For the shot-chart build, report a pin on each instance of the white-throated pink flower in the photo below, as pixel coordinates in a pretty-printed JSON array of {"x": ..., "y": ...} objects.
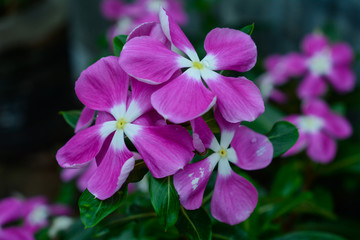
[
  {"x": 234, "y": 198},
  {"x": 186, "y": 96},
  {"x": 104, "y": 87}
]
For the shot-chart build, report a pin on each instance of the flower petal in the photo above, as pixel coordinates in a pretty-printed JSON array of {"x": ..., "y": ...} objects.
[
  {"x": 16, "y": 233},
  {"x": 103, "y": 85},
  {"x": 230, "y": 49},
  {"x": 295, "y": 64},
  {"x": 184, "y": 98},
  {"x": 148, "y": 60},
  {"x": 84, "y": 178},
  {"x": 85, "y": 120},
  {"x": 313, "y": 43},
  {"x": 342, "y": 78},
  {"x": 113, "y": 170},
  {"x": 111, "y": 9},
  {"x": 238, "y": 99},
  {"x": 190, "y": 183},
  {"x": 140, "y": 99},
  {"x": 335, "y": 125},
  {"x": 152, "y": 29},
  {"x": 151, "y": 118},
  {"x": 175, "y": 35},
  {"x": 10, "y": 209},
  {"x": 203, "y": 138},
  {"x": 160, "y": 147},
  {"x": 342, "y": 54},
  {"x": 223, "y": 124},
  {"x": 311, "y": 86},
  {"x": 234, "y": 199},
  {"x": 278, "y": 96},
  {"x": 322, "y": 148},
  {"x": 84, "y": 146},
  {"x": 315, "y": 107},
  {"x": 253, "y": 150}
]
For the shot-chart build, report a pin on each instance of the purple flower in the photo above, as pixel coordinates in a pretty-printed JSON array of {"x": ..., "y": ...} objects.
[
  {"x": 324, "y": 62},
  {"x": 234, "y": 197},
  {"x": 33, "y": 214},
  {"x": 318, "y": 128},
  {"x": 186, "y": 97},
  {"x": 104, "y": 87},
  {"x": 128, "y": 16}
]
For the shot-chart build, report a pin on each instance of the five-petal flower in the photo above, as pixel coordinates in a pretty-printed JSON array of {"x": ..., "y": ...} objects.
[
  {"x": 104, "y": 87},
  {"x": 234, "y": 197},
  {"x": 186, "y": 97},
  {"x": 317, "y": 129}
]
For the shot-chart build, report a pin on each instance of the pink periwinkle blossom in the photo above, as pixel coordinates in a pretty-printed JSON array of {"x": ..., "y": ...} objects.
[
  {"x": 186, "y": 97},
  {"x": 318, "y": 129},
  {"x": 104, "y": 87},
  {"x": 234, "y": 198},
  {"x": 279, "y": 69},
  {"x": 130, "y": 15},
  {"x": 33, "y": 215},
  {"x": 324, "y": 62}
]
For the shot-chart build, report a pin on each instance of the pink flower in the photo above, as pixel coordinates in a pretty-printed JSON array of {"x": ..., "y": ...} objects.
[
  {"x": 186, "y": 97},
  {"x": 33, "y": 214},
  {"x": 324, "y": 62},
  {"x": 128, "y": 16},
  {"x": 318, "y": 128},
  {"x": 104, "y": 87},
  {"x": 234, "y": 197}
]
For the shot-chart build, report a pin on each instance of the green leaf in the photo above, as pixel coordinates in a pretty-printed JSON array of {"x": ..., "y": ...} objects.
[
  {"x": 118, "y": 43},
  {"x": 248, "y": 29},
  {"x": 265, "y": 121},
  {"x": 93, "y": 210},
  {"x": 165, "y": 200},
  {"x": 71, "y": 117},
  {"x": 283, "y": 136},
  {"x": 309, "y": 235},
  {"x": 195, "y": 224},
  {"x": 288, "y": 180},
  {"x": 321, "y": 204},
  {"x": 284, "y": 206}
]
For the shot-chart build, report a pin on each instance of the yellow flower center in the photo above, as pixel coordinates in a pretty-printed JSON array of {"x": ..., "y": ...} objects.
[
  {"x": 120, "y": 124},
  {"x": 198, "y": 65},
  {"x": 223, "y": 153}
]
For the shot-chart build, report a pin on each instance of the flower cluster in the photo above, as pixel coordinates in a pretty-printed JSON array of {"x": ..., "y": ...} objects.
[
  {"x": 319, "y": 63},
  {"x": 33, "y": 214},
  {"x": 129, "y": 15},
  {"x": 142, "y": 99}
]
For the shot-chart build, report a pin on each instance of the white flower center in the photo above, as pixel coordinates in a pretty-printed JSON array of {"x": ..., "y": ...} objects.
[
  {"x": 223, "y": 153},
  {"x": 310, "y": 124},
  {"x": 38, "y": 215},
  {"x": 198, "y": 65},
  {"x": 320, "y": 63},
  {"x": 120, "y": 124},
  {"x": 154, "y": 5},
  {"x": 123, "y": 25},
  {"x": 59, "y": 224},
  {"x": 266, "y": 85}
]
